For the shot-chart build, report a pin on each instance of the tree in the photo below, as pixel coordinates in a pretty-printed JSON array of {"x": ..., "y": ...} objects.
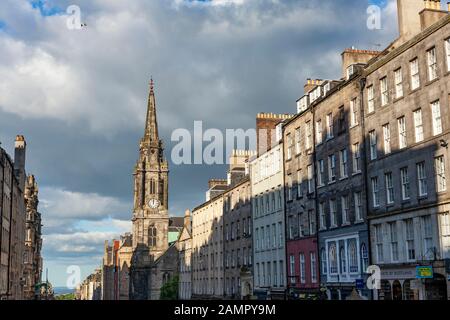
[
  {"x": 169, "y": 291},
  {"x": 68, "y": 296}
]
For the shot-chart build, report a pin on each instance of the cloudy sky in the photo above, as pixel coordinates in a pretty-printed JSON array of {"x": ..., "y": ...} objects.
[{"x": 79, "y": 96}]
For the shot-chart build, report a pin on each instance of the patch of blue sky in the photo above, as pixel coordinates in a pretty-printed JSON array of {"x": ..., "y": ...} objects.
[
  {"x": 46, "y": 8},
  {"x": 380, "y": 3}
]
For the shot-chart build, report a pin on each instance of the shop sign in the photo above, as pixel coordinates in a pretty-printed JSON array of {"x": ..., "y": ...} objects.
[
  {"x": 398, "y": 274},
  {"x": 424, "y": 272}
]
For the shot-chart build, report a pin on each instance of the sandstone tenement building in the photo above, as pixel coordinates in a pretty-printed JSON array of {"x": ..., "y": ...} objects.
[{"x": 20, "y": 227}]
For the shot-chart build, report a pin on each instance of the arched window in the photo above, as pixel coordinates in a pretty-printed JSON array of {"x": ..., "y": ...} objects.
[
  {"x": 352, "y": 257},
  {"x": 152, "y": 236},
  {"x": 343, "y": 260},
  {"x": 323, "y": 258},
  {"x": 166, "y": 278},
  {"x": 364, "y": 257},
  {"x": 332, "y": 258}
]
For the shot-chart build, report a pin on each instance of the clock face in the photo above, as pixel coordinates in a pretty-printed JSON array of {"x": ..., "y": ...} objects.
[{"x": 153, "y": 203}]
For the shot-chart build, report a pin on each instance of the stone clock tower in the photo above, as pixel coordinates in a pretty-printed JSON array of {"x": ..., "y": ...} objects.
[{"x": 150, "y": 213}]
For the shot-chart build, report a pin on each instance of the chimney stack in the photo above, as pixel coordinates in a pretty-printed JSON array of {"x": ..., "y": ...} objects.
[
  {"x": 187, "y": 219},
  {"x": 19, "y": 159},
  {"x": 431, "y": 14},
  {"x": 409, "y": 19}
]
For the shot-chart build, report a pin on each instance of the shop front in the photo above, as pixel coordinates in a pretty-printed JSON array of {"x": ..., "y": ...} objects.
[{"x": 412, "y": 282}]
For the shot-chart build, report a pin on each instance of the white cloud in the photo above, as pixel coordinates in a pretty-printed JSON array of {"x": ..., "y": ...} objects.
[{"x": 58, "y": 204}]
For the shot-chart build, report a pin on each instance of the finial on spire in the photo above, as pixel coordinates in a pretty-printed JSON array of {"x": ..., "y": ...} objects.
[{"x": 152, "y": 84}]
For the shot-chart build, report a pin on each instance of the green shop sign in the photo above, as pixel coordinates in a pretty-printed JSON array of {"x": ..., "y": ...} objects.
[{"x": 424, "y": 272}]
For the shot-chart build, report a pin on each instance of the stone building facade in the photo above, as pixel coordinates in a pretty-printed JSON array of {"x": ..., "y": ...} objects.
[
  {"x": 238, "y": 252},
  {"x": 301, "y": 231},
  {"x": 33, "y": 240},
  {"x": 207, "y": 245},
  {"x": 12, "y": 213},
  {"x": 326, "y": 186},
  {"x": 184, "y": 246},
  {"x": 115, "y": 272},
  {"x": 269, "y": 255},
  {"x": 91, "y": 287},
  {"x": 407, "y": 127},
  {"x": 378, "y": 164},
  {"x": 221, "y": 268}
]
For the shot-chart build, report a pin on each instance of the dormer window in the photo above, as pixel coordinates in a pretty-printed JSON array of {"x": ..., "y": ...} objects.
[
  {"x": 350, "y": 71},
  {"x": 302, "y": 104},
  {"x": 326, "y": 88},
  {"x": 315, "y": 94}
]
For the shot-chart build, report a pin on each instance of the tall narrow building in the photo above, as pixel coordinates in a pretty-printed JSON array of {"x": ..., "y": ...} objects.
[{"x": 150, "y": 214}]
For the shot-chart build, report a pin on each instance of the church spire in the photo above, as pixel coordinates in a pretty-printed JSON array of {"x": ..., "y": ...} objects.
[{"x": 151, "y": 125}]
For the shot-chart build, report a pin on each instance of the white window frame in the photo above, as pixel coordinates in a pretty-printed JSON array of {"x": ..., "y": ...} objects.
[
  {"x": 398, "y": 75},
  {"x": 404, "y": 178},
  {"x": 432, "y": 64},
  {"x": 447, "y": 53},
  {"x": 289, "y": 187},
  {"x": 373, "y": 144},
  {"x": 427, "y": 229},
  {"x": 343, "y": 155},
  {"x": 389, "y": 180},
  {"x": 370, "y": 99},
  {"x": 330, "y": 126},
  {"x": 289, "y": 146},
  {"x": 309, "y": 135},
  {"x": 402, "y": 136},
  {"x": 292, "y": 276},
  {"x": 319, "y": 132},
  {"x": 410, "y": 240},
  {"x": 422, "y": 183},
  {"x": 298, "y": 141},
  {"x": 332, "y": 168},
  {"x": 358, "y": 206},
  {"x": 299, "y": 183},
  {"x": 415, "y": 74},
  {"x": 310, "y": 172},
  {"x": 445, "y": 224},
  {"x": 333, "y": 213},
  {"x": 345, "y": 209},
  {"x": 441, "y": 179},
  {"x": 321, "y": 173},
  {"x": 384, "y": 90},
  {"x": 353, "y": 113},
  {"x": 436, "y": 117},
  {"x": 393, "y": 233},
  {"x": 375, "y": 192},
  {"x": 418, "y": 125},
  {"x": 378, "y": 235},
  {"x": 356, "y": 158},
  {"x": 387, "y": 139},
  {"x": 322, "y": 216},
  {"x": 313, "y": 261},
  {"x": 302, "y": 262}
]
